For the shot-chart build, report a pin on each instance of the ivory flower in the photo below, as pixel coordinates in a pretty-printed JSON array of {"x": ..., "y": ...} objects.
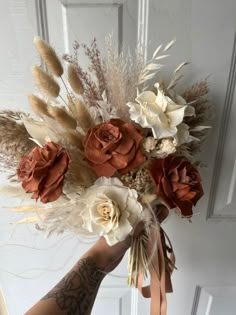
[
  {"x": 183, "y": 135},
  {"x": 159, "y": 149},
  {"x": 158, "y": 112},
  {"x": 165, "y": 147},
  {"x": 110, "y": 209}
]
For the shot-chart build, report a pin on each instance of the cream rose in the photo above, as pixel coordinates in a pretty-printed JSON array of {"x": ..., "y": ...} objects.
[
  {"x": 158, "y": 112},
  {"x": 110, "y": 209}
]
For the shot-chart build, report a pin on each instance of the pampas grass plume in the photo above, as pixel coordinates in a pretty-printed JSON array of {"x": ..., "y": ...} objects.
[
  {"x": 62, "y": 117},
  {"x": 46, "y": 82},
  {"x": 49, "y": 56},
  {"x": 74, "y": 80},
  {"x": 38, "y": 105}
]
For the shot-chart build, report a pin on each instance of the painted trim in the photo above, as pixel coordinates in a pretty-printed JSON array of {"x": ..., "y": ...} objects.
[
  {"x": 196, "y": 300},
  {"x": 42, "y": 20},
  {"x": 143, "y": 21},
  {"x": 222, "y": 138},
  {"x": 134, "y": 301}
]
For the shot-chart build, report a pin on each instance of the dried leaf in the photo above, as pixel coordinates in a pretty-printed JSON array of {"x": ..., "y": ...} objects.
[
  {"x": 181, "y": 66},
  {"x": 169, "y": 45},
  {"x": 156, "y": 51}
]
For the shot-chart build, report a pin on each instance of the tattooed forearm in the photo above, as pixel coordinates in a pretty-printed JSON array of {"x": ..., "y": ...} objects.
[{"x": 75, "y": 293}]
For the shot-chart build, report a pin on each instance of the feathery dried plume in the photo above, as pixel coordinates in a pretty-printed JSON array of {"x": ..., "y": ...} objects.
[
  {"x": 122, "y": 74},
  {"x": 197, "y": 94},
  {"x": 138, "y": 258},
  {"x": 14, "y": 140},
  {"x": 46, "y": 82},
  {"x": 196, "y": 91},
  {"x": 74, "y": 138},
  {"x": 49, "y": 56},
  {"x": 93, "y": 89},
  {"x": 81, "y": 114},
  {"x": 79, "y": 171},
  {"x": 38, "y": 105},
  {"x": 62, "y": 117},
  {"x": 74, "y": 80}
]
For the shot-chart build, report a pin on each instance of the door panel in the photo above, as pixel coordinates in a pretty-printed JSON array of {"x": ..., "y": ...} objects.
[{"x": 205, "y": 249}]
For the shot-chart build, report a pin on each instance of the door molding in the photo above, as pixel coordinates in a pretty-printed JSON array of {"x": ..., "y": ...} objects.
[{"x": 230, "y": 91}]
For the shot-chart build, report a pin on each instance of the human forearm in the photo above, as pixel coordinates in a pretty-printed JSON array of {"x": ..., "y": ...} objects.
[{"x": 75, "y": 293}]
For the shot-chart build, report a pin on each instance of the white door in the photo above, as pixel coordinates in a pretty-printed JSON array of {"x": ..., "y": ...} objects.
[{"x": 205, "y": 282}]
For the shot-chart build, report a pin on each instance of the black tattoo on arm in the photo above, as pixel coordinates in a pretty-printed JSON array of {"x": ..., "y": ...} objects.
[{"x": 76, "y": 292}]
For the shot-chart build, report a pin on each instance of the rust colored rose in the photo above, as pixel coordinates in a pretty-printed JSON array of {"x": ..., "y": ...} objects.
[
  {"x": 113, "y": 146},
  {"x": 178, "y": 183},
  {"x": 42, "y": 171}
]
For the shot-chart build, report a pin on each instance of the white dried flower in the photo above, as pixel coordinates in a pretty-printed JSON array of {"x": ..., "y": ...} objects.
[
  {"x": 165, "y": 147},
  {"x": 110, "y": 209},
  {"x": 149, "y": 144},
  {"x": 158, "y": 112},
  {"x": 183, "y": 136}
]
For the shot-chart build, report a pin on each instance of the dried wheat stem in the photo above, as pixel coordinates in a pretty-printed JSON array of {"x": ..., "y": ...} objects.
[
  {"x": 46, "y": 82},
  {"x": 62, "y": 117},
  {"x": 38, "y": 105},
  {"x": 74, "y": 80},
  {"x": 49, "y": 56}
]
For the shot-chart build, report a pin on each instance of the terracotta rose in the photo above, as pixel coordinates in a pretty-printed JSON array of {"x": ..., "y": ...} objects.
[
  {"x": 113, "y": 146},
  {"x": 42, "y": 171},
  {"x": 178, "y": 183}
]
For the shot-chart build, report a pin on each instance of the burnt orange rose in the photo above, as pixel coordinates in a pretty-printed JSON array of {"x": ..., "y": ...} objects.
[
  {"x": 178, "y": 183},
  {"x": 113, "y": 146},
  {"x": 42, "y": 171}
]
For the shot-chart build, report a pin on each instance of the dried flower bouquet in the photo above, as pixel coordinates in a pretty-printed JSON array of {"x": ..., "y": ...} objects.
[{"x": 115, "y": 148}]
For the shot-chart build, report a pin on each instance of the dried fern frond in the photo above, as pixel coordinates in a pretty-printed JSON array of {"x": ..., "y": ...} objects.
[
  {"x": 46, "y": 82},
  {"x": 62, "y": 117},
  {"x": 74, "y": 80},
  {"x": 49, "y": 56},
  {"x": 14, "y": 140},
  {"x": 38, "y": 105}
]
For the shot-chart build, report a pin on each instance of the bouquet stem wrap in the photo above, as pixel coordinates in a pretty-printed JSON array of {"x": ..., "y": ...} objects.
[{"x": 159, "y": 261}]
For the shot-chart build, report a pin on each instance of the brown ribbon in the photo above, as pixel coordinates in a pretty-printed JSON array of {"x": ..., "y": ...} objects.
[{"x": 161, "y": 266}]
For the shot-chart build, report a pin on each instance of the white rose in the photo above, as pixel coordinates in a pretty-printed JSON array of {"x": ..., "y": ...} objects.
[
  {"x": 110, "y": 209},
  {"x": 158, "y": 112}
]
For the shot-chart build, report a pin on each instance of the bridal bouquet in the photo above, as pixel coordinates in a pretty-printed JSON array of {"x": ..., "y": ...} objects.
[{"x": 107, "y": 147}]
